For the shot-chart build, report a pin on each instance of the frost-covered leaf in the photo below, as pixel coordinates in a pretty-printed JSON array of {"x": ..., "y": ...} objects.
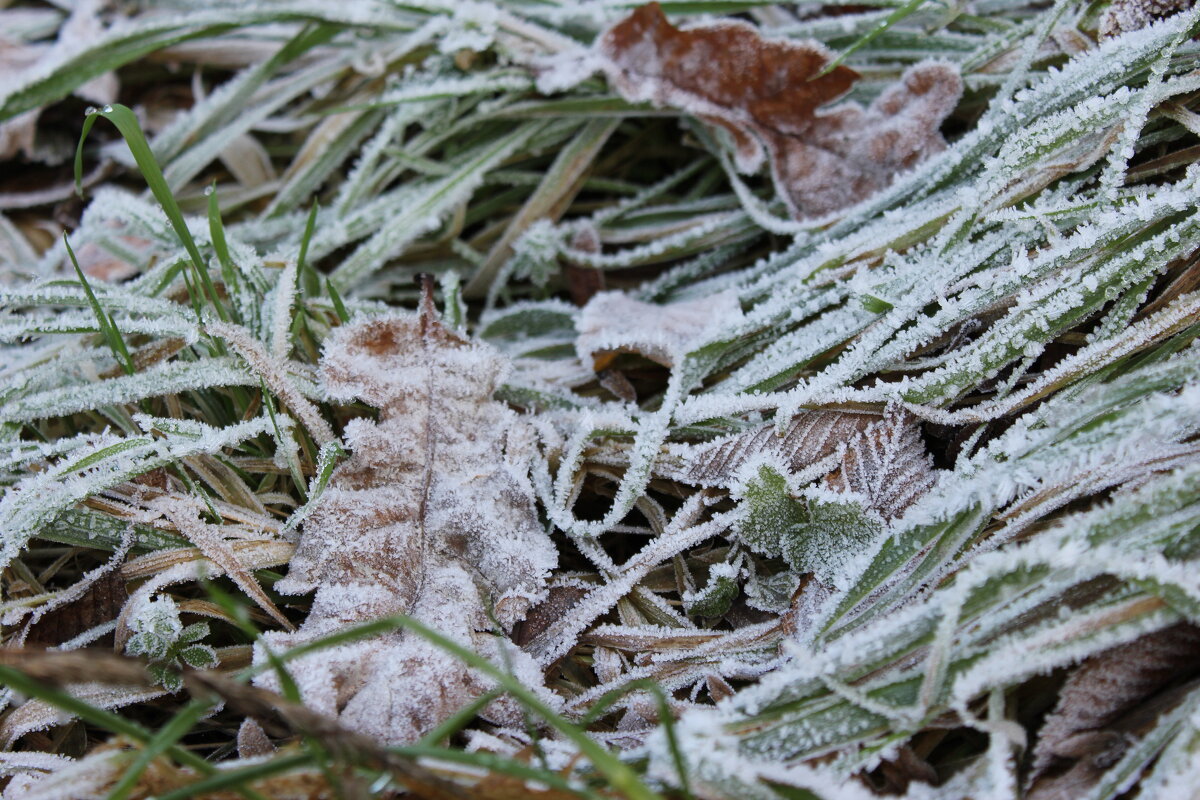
[
  {"x": 1101, "y": 691},
  {"x": 428, "y": 517},
  {"x": 613, "y": 322},
  {"x": 816, "y": 532},
  {"x": 1122, "y": 16},
  {"x": 767, "y": 93},
  {"x": 887, "y": 464},
  {"x": 809, "y": 439},
  {"x": 714, "y": 599}
]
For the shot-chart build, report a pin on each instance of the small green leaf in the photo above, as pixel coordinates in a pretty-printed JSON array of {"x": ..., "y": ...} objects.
[
  {"x": 717, "y": 595},
  {"x": 770, "y": 512},
  {"x": 875, "y": 305},
  {"x": 193, "y": 633},
  {"x": 817, "y": 531},
  {"x": 199, "y": 656},
  {"x": 830, "y": 533}
]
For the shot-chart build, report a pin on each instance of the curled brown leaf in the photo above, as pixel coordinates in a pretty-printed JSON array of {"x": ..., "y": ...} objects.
[{"x": 769, "y": 95}]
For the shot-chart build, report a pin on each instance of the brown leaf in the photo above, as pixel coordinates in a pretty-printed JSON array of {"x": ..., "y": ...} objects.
[
  {"x": 583, "y": 281},
  {"x": 896, "y": 773},
  {"x": 100, "y": 604},
  {"x": 1090, "y": 724},
  {"x": 887, "y": 464},
  {"x": 615, "y": 381},
  {"x": 429, "y": 517},
  {"x": 767, "y": 94},
  {"x": 558, "y": 602},
  {"x": 252, "y": 740},
  {"x": 718, "y": 688},
  {"x": 808, "y": 439}
]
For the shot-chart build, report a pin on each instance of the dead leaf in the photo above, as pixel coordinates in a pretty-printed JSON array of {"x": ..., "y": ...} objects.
[
  {"x": 559, "y": 600},
  {"x": 808, "y": 439},
  {"x": 887, "y": 464},
  {"x": 98, "y": 262},
  {"x": 1123, "y": 16},
  {"x": 252, "y": 740},
  {"x": 614, "y": 322},
  {"x": 768, "y": 95},
  {"x": 428, "y": 517},
  {"x": 101, "y": 603},
  {"x": 1089, "y": 729},
  {"x": 583, "y": 281}
]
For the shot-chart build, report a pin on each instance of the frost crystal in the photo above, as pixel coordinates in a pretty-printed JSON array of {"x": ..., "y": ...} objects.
[{"x": 432, "y": 516}]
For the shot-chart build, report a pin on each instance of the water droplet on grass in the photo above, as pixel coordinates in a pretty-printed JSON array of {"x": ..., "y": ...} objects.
[
  {"x": 209, "y": 191},
  {"x": 87, "y": 112},
  {"x": 108, "y": 109}
]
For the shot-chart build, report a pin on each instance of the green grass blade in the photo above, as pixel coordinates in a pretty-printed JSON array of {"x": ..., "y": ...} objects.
[
  {"x": 112, "y": 336},
  {"x": 887, "y": 22},
  {"x": 125, "y": 121},
  {"x": 165, "y": 739},
  {"x": 101, "y": 718},
  {"x": 240, "y": 777}
]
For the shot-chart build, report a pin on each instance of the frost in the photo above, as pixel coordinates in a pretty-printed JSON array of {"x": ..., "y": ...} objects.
[
  {"x": 165, "y": 379},
  {"x": 268, "y": 368},
  {"x": 430, "y": 517}
]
